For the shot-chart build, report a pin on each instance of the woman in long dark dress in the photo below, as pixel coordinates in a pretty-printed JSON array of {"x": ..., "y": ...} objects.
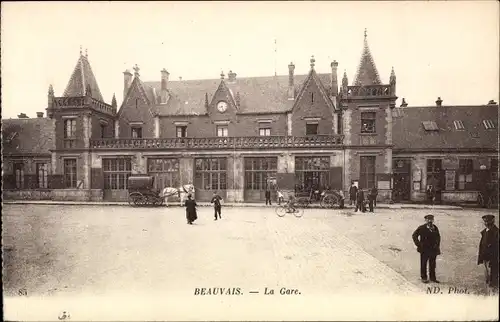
[{"x": 190, "y": 210}]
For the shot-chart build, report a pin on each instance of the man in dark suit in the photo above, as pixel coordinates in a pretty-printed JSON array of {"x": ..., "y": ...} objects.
[
  {"x": 427, "y": 239},
  {"x": 353, "y": 191},
  {"x": 360, "y": 201},
  {"x": 216, "y": 200},
  {"x": 488, "y": 251}
]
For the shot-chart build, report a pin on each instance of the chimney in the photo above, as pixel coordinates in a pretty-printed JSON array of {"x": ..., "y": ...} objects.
[
  {"x": 164, "y": 86},
  {"x": 23, "y": 116},
  {"x": 127, "y": 80},
  {"x": 439, "y": 101},
  {"x": 39, "y": 114},
  {"x": 334, "y": 84},
  {"x": 180, "y": 78},
  {"x": 291, "y": 87},
  {"x": 231, "y": 77},
  {"x": 403, "y": 103}
]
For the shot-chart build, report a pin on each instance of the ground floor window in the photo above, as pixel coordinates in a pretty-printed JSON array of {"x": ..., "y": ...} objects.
[
  {"x": 367, "y": 172},
  {"x": 19, "y": 173},
  {"x": 258, "y": 171},
  {"x": 312, "y": 173},
  {"x": 42, "y": 170},
  {"x": 70, "y": 173},
  {"x": 494, "y": 169},
  {"x": 165, "y": 171},
  {"x": 464, "y": 178},
  {"x": 434, "y": 173},
  {"x": 210, "y": 173},
  {"x": 116, "y": 173}
]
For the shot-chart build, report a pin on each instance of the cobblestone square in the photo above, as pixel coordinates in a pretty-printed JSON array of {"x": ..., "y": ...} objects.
[{"x": 98, "y": 251}]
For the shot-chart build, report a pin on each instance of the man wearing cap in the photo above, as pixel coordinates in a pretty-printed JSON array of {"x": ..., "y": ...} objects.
[
  {"x": 427, "y": 239},
  {"x": 488, "y": 251}
]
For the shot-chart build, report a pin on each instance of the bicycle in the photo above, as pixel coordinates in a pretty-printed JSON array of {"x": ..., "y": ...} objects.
[{"x": 282, "y": 210}]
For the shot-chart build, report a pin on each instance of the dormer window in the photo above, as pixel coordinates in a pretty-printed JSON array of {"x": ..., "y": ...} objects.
[
  {"x": 489, "y": 124},
  {"x": 459, "y": 125},
  {"x": 430, "y": 126}
]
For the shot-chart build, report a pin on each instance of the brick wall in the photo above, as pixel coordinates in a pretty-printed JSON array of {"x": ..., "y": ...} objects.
[
  {"x": 313, "y": 108},
  {"x": 59, "y": 130},
  {"x": 135, "y": 109},
  {"x": 239, "y": 125}
]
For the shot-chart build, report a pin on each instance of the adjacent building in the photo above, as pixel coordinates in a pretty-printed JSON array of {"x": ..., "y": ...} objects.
[{"x": 232, "y": 134}]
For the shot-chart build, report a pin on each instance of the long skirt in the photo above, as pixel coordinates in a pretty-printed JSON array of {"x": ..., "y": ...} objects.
[{"x": 191, "y": 215}]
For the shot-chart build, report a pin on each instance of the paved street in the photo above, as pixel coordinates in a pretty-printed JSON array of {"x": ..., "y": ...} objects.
[{"x": 101, "y": 251}]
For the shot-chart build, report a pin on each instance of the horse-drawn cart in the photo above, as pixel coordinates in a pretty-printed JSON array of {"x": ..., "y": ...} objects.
[{"x": 141, "y": 191}]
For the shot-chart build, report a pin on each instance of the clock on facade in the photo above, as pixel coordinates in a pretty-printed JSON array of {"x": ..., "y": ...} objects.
[{"x": 221, "y": 106}]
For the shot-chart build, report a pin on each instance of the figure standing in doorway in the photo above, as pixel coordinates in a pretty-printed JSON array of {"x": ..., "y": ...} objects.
[{"x": 353, "y": 191}]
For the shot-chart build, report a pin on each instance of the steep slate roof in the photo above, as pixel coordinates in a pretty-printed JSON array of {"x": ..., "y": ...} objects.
[
  {"x": 82, "y": 79},
  {"x": 257, "y": 94},
  {"x": 28, "y": 136},
  {"x": 409, "y": 132},
  {"x": 367, "y": 73}
]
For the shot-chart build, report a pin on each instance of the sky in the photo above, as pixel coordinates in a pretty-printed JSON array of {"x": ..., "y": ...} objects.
[{"x": 447, "y": 49}]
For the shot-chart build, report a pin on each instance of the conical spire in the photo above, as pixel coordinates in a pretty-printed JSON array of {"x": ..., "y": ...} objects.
[
  {"x": 82, "y": 81},
  {"x": 113, "y": 101},
  {"x": 367, "y": 73}
]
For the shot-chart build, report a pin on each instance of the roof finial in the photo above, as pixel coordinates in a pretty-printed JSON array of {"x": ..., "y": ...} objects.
[
  {"x": 312, "y": 61},
  {"x": 81, "y": 52},
  {"x": 51, "y": 90},
  {"x": 113, "y": 101},
  {"x": 86, "y": 53},
  {"x": 136, "y": 70},
  {"x": 365, "y": 33},
  {"x": 222, "y": 74}
]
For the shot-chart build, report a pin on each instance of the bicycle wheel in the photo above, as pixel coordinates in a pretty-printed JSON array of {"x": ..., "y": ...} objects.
[
  {"x": 299, "y": 212},
  {"x": 280, "y": 211},
  {"x": 302, "y": 202}
]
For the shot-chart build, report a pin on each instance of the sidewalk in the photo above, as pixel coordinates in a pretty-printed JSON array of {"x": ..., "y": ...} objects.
[{"x": 227, "y": 204}]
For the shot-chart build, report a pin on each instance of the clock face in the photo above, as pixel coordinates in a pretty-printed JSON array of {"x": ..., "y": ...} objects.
[{"x": 222, "y": 106}]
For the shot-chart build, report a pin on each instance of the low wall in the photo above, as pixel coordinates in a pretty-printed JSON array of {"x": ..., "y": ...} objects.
[
  {"x": 54, "y": 194},
  {"x": 459, "y": 196}
]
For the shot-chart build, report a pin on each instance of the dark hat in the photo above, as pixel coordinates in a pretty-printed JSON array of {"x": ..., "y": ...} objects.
[
  {"x": 429, "y": 217},
  {"x": 190, "y": 196},
  {"x": 488, "y": 218}
]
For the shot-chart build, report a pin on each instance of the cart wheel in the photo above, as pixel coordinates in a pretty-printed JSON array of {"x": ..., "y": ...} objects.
[
  {"x": 299, "y": 212},
  {"x": 158, "y": 201},
  {"x": 329, "y": 201},
  {"x": 281, "y": 211},
  {"x": 140, "y": 200},
  {"x": 133, "y": 198}
]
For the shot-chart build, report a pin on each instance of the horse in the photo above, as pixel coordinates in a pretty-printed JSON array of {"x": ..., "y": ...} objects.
[{"x": 181, "y": 192}]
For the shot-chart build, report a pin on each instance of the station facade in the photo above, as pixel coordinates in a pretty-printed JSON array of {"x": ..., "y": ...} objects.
[{"x": 232, "y": 135}]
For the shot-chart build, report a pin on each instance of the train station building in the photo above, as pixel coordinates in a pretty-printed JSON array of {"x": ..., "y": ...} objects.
[{"x": 232, "y": 134}]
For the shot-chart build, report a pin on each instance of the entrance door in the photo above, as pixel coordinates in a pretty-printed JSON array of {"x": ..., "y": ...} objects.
[{"x": 402, "y": 180}]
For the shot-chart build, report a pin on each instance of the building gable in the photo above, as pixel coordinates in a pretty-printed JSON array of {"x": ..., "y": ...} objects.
[
  {"x": 223, "y": 94},
  {"x": 312, "y": 96}
]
